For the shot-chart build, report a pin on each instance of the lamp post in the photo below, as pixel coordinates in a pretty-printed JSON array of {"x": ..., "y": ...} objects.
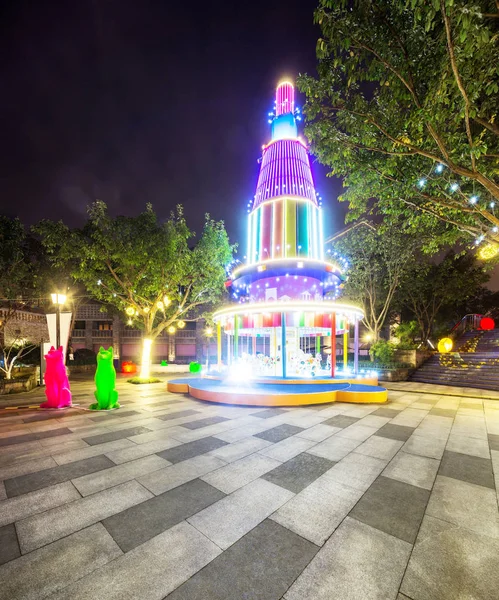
[{"x": 58, "y": 300}]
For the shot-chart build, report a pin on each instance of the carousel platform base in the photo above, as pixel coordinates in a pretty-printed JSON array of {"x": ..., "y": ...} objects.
[{"x": 275, "y": 392}]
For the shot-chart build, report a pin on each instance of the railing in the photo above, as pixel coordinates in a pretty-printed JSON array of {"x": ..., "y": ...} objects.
[
  {"x": 78, "y": 333},
  {"x": 467, "y": 323},
  {"x": 107, "y": 333}
]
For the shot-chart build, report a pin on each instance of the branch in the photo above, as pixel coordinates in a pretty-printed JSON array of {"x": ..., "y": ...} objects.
[{"x": 459, "y": 82}]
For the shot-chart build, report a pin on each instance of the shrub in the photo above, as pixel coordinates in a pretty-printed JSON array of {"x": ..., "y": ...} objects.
[
  {"x": 382, "y": 352},
  {"x": 84, "y": 356},
  {"x": 138, "y": 380}
]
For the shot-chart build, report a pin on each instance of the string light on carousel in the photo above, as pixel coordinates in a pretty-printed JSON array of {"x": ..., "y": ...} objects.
[{"x": 285, "y": 294}]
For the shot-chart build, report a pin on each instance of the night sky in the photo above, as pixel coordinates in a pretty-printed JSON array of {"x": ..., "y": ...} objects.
[{"x": 146, "y": 101}]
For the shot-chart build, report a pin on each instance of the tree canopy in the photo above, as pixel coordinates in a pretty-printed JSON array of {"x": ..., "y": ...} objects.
[
  {"x": 429, "y": 288},
  {"x": 379, "y": 259},
  {"x": 405, "y": 109},
  {"x": 153, "y": 272}
]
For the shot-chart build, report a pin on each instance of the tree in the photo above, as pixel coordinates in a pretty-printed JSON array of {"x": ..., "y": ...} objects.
[
  {"x": 20, "y": 283},
  {"x": 431, "y": 288},
  {"x": 378, "y": 259},
  {"x": 143, "y": 267},
  {"x": 405, "y": 109}
]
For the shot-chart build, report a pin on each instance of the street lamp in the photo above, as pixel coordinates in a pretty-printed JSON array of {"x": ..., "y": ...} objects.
[{"x": 58, "y": 300}]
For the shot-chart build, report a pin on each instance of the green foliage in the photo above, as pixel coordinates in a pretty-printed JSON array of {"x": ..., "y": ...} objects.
[
  {"x": 405, "y": 86},
  {"x": 378, "y": 258},
  {"x": 134, "y": 262},
  {"x": 140, "y": 380},
  {"x": 429, "y": 288},
  {"x": 407, "y": 333},
  {"x": 194, "y": 367},
  {"x": 382, "y": 352}
]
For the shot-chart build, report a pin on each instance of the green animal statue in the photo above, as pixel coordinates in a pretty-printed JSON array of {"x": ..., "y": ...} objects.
[{"x": 105, "y": 382}]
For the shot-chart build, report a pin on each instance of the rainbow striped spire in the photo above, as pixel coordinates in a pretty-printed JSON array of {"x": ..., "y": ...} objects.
[{"x": 285, "y": 220}]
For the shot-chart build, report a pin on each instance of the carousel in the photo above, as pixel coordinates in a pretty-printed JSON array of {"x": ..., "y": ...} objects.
[{"x": 278, "y": 341}]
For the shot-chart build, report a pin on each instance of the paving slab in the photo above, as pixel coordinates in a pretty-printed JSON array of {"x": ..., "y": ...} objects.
[
  {"x": 425, "y": 445},
  {"x": 357, "y": 470},
  {"x": 269, "y": 413},
  {"x": 200, "y": 423},
  {"x": 41, "y": 529},
  {"x": 151, "y": 571},
  {"x": 140, "y": 450},
  {"x": 143, "y": 521},
  {"x": 468, "y": 445},
  {"x": 317, "y": 510},
  {"x": 236, "y": 474},
  {"x": 380, "y": 447},
  {"x": 266, "y": 560},
  {"x": 341, "y": 421},
  {"x": 358, "y": 562},
  {"x": 470, "y": 506},
  {"x": 115, "y": 435},
  {"x": 472, "y": 469},
  {"x": 96, "y": 482},
  {"x": 240, "y": 449},
  {"x": 14, "y": 509},
  {"x": 229, "y": 519},
  {"x": 47, "y": 477},
  {"x": 191, "y": 449},
  {"x": 298, "y": 472},
  {"x": 63, "y": 458},
  {"x": 279, "y": 433},
  {"x": 394, "y": 507},
  {"x": 29, "y": 466},
  {"x": 9, "y": 546},
  {"x": 335, "y": 448},
  {"x": 182, "y": 472},
  {"x": 318, "y": 433},
  {"x": 395, "y": 432},
  {"x": 49, "y": 569},
  {"x": 450, "y": 562},
  {"x": 410, "y": 468},
  {"x": 285, "y": 450}
]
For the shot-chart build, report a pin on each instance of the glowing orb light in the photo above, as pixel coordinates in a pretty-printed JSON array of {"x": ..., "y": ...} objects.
[
  {"x": 180, "y": 324},
  {"x": 171, "y": 329},
  {"x": 130, "y": 311},
  {"x": 445, "y": 345},
  {"x": 488, "y": 251},
  {"x": 487, "y": 323}
]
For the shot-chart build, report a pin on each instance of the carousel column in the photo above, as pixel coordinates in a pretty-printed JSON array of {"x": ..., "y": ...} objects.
[
  {"x": 283, "y": 344},
  {"x": 318, "y": 344},
  {"x": 345, "y": 348},
  {"x": 229, "y": 358},
  {"x": 356, "y": 347},
  {"x": 333, "y": 344},
  {"x": 219, "y": 344},
  {"x": 236, "y": 337}
]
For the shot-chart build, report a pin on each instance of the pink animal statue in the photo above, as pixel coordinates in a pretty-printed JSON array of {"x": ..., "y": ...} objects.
[{"x": 56, "y": 380}]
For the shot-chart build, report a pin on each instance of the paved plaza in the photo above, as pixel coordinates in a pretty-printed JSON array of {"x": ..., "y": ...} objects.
[{"x": 170, "y": 497}]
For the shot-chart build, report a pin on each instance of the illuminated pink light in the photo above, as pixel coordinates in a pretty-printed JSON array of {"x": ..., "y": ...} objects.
[
  {"x": 285, "y": 164},
  {"x": 285, "y": 98}
]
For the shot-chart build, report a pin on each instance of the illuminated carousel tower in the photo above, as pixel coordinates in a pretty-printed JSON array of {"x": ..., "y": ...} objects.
[{"x": 285, "y": 295}]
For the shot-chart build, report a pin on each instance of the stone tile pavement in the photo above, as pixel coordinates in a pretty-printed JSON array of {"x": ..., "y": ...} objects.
[{"x": 171, "y": 498}]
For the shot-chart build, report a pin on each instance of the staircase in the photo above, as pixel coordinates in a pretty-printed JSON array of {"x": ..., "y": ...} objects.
[{"x": 475, "y": 363}]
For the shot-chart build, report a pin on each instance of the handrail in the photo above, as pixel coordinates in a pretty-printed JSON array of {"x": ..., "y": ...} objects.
[{"x": 467, "y": 323}]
